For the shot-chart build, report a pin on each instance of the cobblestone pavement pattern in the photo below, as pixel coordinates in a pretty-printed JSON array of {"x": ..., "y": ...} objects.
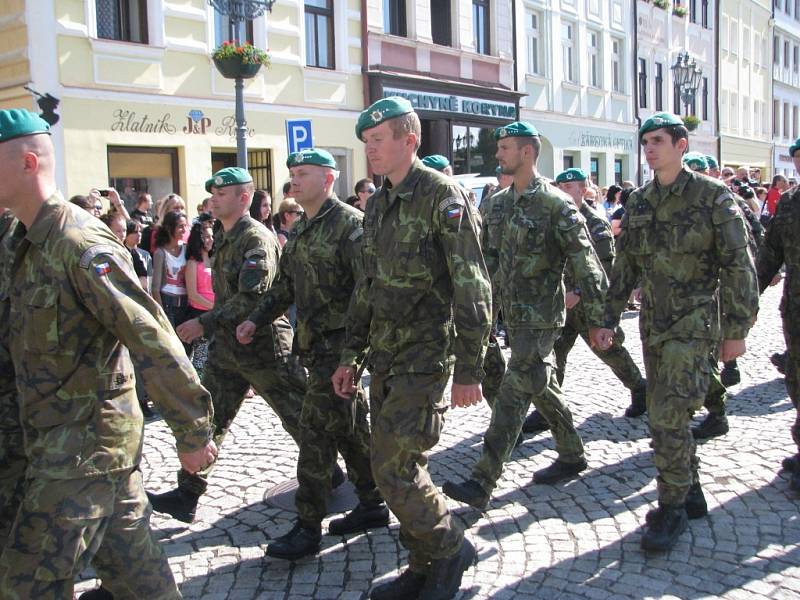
[{"x": 573, "y": 540}]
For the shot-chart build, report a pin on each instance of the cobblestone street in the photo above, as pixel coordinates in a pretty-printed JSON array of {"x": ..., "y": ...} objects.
[{"x": 573, "y": 540}]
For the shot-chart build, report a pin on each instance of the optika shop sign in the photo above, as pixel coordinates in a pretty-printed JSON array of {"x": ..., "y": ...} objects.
[{"x": 195, "y": 123}]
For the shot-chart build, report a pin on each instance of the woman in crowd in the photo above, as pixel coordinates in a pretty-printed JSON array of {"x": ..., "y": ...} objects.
[
  {"x": 288, "y": 212},
  {"x": 261, "y": 209},
  {"x": 169, "y": 267},
  {"x": 142, "y": 260},
  {"x": 364, "y": 189},
  {"x": 198, "y": 281},
  {"x": 612, "y": 203},
  {"x": 91, "y": 205},
  {"x": 167, "y": 204}
]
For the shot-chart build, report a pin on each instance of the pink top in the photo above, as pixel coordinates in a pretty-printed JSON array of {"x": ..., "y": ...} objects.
[{"x": 204, "y": 288}]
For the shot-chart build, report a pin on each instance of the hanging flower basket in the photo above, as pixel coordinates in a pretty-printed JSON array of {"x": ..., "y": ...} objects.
[
  {"x": 691, "y": 122},
  {"x": 235, "y": 61}
]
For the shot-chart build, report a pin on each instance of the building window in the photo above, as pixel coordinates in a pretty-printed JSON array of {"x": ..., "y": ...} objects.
[
  {"x": 535, "y": 43},
  {"x": 659, "y": 95},
  {"x": 704, "y": 13},
  {"x": 569, "y": 161},
  {"x": 642, "y": 83},
  {"x": 693, "y": 11},
  {"x": 734, "y": 37},
  {"x": 394, "y": 17},
  {"x": 786, "y": 55},
  {"x": 723, "y": 33},
  {"x": 617, "y": 75},
  {"x": 594, "y": 169},
  {"x": 594, "y": 58},
  {"x": 746, "y": 43},
  {"x": 222, "y": 30},
  {"x": 797, "y": 10},
  {"x": 776, "y": 118},
  {"x": 440, "y": 17},
  {"x": 795, "y": 58},
  {"x": 776, "y": 51},
  {"x": 746, "y": 113},
  {"x": 122, "y": 20},
  {"x": 618, "y": 171},
  {"x": 756, "y": 49},
  {"x": 705, "y": 99},
  {"x": 786, "y": 116},
  {"x": 151, "y": 170},
  {"x": 568, "y": 53},
  {"x": 757, "y": 117},
  {"x": 794, "y": 122},
  {"x": 473, "y": 149},
  {"x": 319, "y": 34},
  {"x": 480, "y": 25},
  {"x": 723, "y": 110},
  {"x": 734, "y": 111}
]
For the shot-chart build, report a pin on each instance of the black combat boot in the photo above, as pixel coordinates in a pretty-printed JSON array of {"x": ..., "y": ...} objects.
[
  {"x": 446, "y": 574},
  {"x": 177, "y": 503},
  {"x": 664, "y": 528},
  {"x": 638, "y": 401},
  {"x": 714, "y": 425},
  {"x": 695, "y": 505},
  {"x": 535, "y": 423},
  {"x": 364, "y": 516},
  {"x": 791, "y": 463},
  {"x": 559, "y": 471},
  {"x": 470, "y": 492},
  {"x": 301, "y": 541},
  {"x": 337, "y": 477},
  {"x": 730, "y": 374},
  {"x": 100, "y": 593},
  {"x": 779, "y": 360},
  {"x": 406, "y": 587}
]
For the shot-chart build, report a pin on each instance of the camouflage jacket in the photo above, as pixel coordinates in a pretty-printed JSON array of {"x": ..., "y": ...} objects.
[
  {"x": 425, "y": 296},
  {"x": 9, "y": 413},
  {"x": 244, "y": 265},
  {"x": 602, "y": 240},
  {"x": 686, "y": 245},
  {"x": 543, "y": 229},
  {"x": 492, "y": 214},
  {"x": 319, "y": 267},
  {"x": 782, "y": 246},
  {"x": 78, "y": 314}
]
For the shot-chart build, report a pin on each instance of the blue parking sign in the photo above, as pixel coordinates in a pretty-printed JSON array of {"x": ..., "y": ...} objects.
[{"x": 298, "y": 135}]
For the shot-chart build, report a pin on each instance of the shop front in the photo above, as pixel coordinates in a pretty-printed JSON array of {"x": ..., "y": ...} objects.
[
  {"x": 161, "y": 148},
  {"x": 784, "y": 165},
  {"x": 608, "y": 154},
  {"x": 458, "y": 119},
  {"x": 738, "y": 152}
]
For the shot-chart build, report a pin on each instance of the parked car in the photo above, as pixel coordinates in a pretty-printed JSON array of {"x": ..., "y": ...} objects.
[{"x": 476, "y": 183}]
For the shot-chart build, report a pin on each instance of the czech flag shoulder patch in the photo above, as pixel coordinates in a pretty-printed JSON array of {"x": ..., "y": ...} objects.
[{"x": 102, "y": 269}]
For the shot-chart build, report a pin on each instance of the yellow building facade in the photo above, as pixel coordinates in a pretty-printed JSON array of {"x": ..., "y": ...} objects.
[{"x": 143, "y": 108}]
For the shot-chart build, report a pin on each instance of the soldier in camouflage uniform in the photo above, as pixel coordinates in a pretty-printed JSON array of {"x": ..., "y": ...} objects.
[
  {"x": 77, "y": 316},
  {"x": 684, "y": 241},
  {"x": 573, "y": 183},
  {"x": 782, "y": 247},
  {"x": 244, "y": 264},
  {"x": 12, "y": 457},
  {"x": 543, "y": 229},
  {"x": 319, "y": 267},
  {"x": 424, "y": 308},
  {"x": 491, "y": 211}
]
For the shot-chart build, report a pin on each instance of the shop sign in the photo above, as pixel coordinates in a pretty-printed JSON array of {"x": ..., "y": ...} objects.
[
  {"x": 461, "y": 105},
  {"x": 590, "y": 139},
  {"x": 197, "y": 123},
  {"x": 785, "y": 158}
]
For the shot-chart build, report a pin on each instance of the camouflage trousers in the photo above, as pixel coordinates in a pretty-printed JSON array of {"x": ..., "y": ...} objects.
[
  {"x": 716, "y": 395},
  {"x": 678, "y": 378},
  {"x": 12, "y": 458},
  {"x": 616, "y": 357},
  {"x": 407, "y": 413},
  {"x": 326, "y": 426},
  {"x": 65, "y": 525},
  {"x": 530, "y": 378},
  {"x": 494, "y": 366},
  {"x": 791, "y": 329},
  {"x": 281, "y": 383}
]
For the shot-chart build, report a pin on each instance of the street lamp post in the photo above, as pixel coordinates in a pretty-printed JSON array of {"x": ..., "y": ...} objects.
[
  {"x": 686, "y": 75},
  {"x": 239, "y": 11}
]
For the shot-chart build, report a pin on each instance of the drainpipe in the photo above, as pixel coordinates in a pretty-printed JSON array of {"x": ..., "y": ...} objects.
[
  {"x": 365, "y": 66},
  {"x": 635, "y": 78},
  {"x": 514, "y": 48},
  {"x": 717, "y": 80}
]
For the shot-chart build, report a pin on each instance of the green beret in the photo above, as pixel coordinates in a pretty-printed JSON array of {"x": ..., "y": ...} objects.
[
  {"x": 516, "y": 129},
  {"x": 380, "y": 111},
  {"x": 228, "y": 176},
  {"x": 695, "y": 161},
  {"x": 311, "y": 156},
  {"x": 436, "y": 161},
  {"x": 712, "y": 162},
  {"x": 573, "y": 174},
  {"x": 658, "y": 121},
  {"x": 794, "y": 147},
  {"x": 18, "y": 122}
]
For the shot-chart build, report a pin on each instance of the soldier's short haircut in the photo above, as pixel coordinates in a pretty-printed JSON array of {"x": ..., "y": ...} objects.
[
  {"x": 405, "y": 124},
  {"x": 533, "y": 141},
  {"x": 249, "y": 187}
]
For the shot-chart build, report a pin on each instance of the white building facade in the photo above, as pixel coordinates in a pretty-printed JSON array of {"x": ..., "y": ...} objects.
[
  {"x": 785, "y": 84},
  {"x": 574, "y": 64},
  {"x": 664, "y": 31}
]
